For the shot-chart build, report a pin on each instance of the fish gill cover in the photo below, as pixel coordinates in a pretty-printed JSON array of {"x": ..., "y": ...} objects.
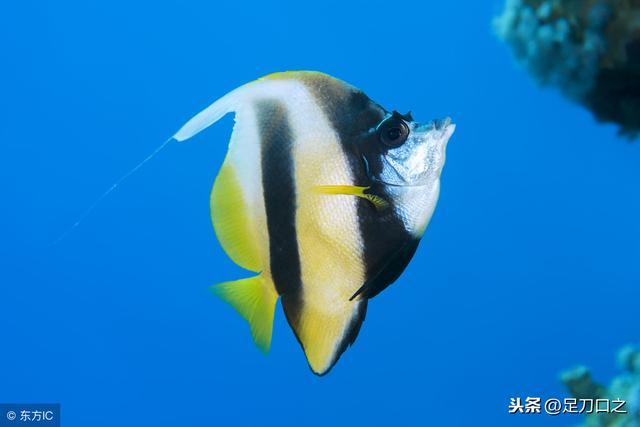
[
  {"x": 625, "y": 386},
  {"x": 589, "y": 49}
]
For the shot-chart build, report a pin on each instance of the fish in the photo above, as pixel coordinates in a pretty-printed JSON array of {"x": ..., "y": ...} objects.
[{"x": 324, "y": 195}]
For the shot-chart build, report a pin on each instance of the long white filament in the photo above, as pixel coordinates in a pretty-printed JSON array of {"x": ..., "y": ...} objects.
[
  {"x": 195, "y": 125},
  {"x": 90, "y": 209}
]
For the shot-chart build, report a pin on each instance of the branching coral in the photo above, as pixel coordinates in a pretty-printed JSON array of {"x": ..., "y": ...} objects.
[
  {"x": 625, "y": 387},
  {"x": 590, "y": 49}
]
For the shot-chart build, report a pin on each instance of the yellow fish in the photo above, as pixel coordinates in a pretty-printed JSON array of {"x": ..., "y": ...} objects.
[{"x": 325, "y": 195}]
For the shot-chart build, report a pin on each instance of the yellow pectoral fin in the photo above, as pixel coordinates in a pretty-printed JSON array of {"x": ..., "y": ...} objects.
[
  {"x": 255, "y": 299},
  {"x": 352, "y": 190}
]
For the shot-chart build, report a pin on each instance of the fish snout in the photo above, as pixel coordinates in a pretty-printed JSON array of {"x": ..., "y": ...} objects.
[
  {"x": 440, "y": 124},
  {"x": 444, "y": 128},
  {"x": 440, "y": 128}
]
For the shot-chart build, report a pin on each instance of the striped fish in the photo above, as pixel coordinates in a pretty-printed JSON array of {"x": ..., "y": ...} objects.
[{"x": 325, "y": 195}]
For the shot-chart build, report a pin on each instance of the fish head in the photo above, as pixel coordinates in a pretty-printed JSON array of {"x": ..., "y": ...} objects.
[{"x": 402, "y": 152}]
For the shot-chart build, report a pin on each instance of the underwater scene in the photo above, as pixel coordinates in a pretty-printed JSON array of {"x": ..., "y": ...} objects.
[{"x": 320, "y": 214}]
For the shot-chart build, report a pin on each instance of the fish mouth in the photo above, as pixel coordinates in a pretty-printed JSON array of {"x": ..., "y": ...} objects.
[
  {"x": 437, "y": 125},
  {"x": 441, "y": 129},
  {"x": 448, "y": 131},
  {"x": 442, "y": 124},
  {"x": 444, "y": 128}
]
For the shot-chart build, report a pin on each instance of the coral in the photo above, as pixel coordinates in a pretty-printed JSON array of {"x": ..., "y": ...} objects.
[
  {"x": 589, "y": 49},
  {"x": 626, "y": 386}
]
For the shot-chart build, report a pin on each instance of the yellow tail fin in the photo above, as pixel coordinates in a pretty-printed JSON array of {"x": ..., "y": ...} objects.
[{"x": 255, "y": 299}]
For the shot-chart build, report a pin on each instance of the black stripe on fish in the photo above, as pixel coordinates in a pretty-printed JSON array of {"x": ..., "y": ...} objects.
[
  {"x": 388, "y": 246},
  {"x": 390, "y": 272},
  {"x": 279, "y": 192}
]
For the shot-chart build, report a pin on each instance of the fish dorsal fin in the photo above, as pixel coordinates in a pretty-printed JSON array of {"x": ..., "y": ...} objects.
[{"x": 209, "y": 115}]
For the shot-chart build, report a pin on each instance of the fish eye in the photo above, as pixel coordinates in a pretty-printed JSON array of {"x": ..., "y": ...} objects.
[{"x": 393, "y": 132}]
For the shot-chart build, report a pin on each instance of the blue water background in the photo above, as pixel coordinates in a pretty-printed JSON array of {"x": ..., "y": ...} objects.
[{"x": 530, "y": 264}]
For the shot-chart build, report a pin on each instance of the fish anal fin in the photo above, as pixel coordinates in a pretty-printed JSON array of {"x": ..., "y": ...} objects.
[
  {"x": 352, "y": 190},
  {"x": 324, "y": 332},
  {"x": 255, "y": 299},
  {"x": 233, "y": 222}
]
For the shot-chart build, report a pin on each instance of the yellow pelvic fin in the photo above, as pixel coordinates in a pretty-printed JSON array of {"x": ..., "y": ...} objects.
[
  {"x": 232, "y": 223},
  {"x": 255, "y": 299},
  {"x": 352, "y": 190}
]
